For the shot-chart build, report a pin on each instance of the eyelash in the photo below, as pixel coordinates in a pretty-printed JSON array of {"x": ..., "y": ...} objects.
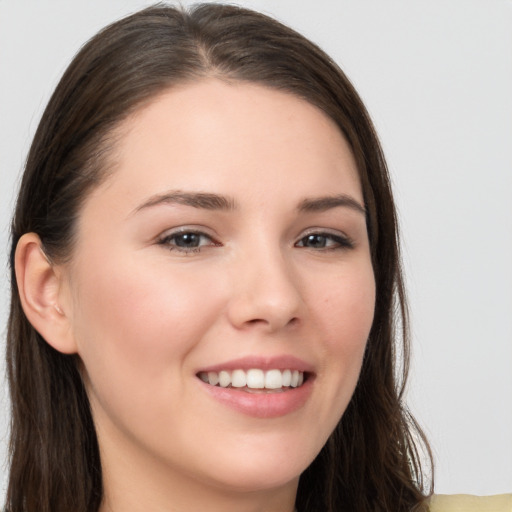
[
  {"x": 167, "y": 241},
  {"x": 338, "y": 242}
]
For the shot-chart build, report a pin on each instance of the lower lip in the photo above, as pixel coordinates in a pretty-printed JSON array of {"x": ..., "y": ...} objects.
[{"x": 262, "y": 405}]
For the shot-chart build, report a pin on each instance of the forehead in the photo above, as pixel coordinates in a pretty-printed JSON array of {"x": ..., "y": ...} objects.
[{"x": 212, "y": 135}]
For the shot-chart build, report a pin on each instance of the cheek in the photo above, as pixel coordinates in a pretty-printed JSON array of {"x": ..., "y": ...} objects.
[
  {"x": 135, "y": 329},
  {"x": 347, "y": 310},
  {"x": 342, "y": 315},
  {"x": 345, "y": 316},
  {"x": 136, "y": 321},
  {"x": 157, "y": 305}
]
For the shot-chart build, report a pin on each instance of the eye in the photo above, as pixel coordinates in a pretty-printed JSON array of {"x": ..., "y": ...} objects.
[
  {"x": 187, "y": 241},
  {"x": 325, "y": 241}
]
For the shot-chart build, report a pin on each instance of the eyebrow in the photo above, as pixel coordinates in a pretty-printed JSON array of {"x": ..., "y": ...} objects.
[
  {"x": 321, "y": 204},
  {"x": 209, "y": 201},
  {"x": 202, "y": 200}
]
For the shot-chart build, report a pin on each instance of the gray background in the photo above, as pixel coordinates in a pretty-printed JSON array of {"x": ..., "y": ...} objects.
[{"x": 437, "y": 78}]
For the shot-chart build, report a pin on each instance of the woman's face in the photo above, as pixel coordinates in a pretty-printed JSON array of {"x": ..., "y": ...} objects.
[{"x": 229, "y": 242}]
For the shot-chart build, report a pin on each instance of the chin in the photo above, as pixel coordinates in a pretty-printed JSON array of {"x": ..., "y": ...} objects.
[
  {"x": 246, "y": 472},
  {"x": 255, "y": 479}
]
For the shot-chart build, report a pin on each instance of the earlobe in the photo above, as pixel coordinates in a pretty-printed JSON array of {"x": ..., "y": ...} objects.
[{"x": 39, "y": 285}]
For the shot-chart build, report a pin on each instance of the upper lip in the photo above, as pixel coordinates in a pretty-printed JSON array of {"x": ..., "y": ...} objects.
[{"x": 282, "y": 362}]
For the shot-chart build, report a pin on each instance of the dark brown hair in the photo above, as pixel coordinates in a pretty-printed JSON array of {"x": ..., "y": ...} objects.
[{"x": 371, "y": 461}]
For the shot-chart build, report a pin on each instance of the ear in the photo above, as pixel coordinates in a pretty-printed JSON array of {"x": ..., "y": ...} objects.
[{"x": 40, "y": 288}]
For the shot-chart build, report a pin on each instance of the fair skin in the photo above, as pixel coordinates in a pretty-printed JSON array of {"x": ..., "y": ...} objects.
[{"x": 230, "y": 235}]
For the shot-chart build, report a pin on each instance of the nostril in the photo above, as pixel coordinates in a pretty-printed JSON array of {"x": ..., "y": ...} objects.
[
  {"x": 256, "y": 321},
  {"x": 293, "y": 321}
]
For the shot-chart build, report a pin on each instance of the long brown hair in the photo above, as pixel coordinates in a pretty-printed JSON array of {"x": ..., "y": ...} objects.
[{"x": 371, "y": 462}]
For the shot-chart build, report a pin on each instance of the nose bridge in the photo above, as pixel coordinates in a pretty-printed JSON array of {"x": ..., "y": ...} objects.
[{"x": 266, "y": 289}]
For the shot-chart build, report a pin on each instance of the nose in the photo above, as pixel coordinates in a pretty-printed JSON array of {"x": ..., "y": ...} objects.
[{"x": 266, "y": 292}]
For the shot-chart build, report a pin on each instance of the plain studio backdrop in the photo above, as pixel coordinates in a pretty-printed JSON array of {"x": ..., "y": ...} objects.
[{"x": 436, "y": 76}]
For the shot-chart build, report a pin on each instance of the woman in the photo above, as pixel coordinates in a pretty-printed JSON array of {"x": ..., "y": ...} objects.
[{"x": 205, "y": 275}]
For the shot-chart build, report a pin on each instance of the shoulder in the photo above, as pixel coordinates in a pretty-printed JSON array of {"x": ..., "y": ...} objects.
[{"x": 470, "y": 503}]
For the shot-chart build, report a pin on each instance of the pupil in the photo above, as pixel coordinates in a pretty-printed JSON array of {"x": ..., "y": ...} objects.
[
  {"x": 317, "y": 241},
  {"x": 187, "y": 240}
]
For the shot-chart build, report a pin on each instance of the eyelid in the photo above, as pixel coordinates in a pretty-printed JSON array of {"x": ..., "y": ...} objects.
[
  {"x": 190, "y": 228},
  {"x": 164, "y": 238},
  {"x": 323, "y": 231},
  {"x": 345, "y": 241}
]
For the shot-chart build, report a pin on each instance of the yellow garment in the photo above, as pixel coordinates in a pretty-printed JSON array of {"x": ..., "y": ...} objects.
[{"x": 470, "y": 503}]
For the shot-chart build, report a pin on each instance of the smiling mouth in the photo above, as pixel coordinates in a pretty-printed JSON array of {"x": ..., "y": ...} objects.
[{"x": 255, "y": 380}]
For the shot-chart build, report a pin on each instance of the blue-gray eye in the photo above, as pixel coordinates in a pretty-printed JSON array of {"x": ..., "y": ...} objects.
[
  {"x": 186, "y": 240},
  {"x": 324, "y": 241},
  {"x": 315, "y": 241}
]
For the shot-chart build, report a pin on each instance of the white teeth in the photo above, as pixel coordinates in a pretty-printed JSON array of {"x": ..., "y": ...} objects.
[
  {"x": 238, "y": 379},
  {"x": 213, "y": 378},
  {"x": 224, "y": 379},
  {"x": 254, "y": 378},
  {"x": 273, "y": 379}
]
